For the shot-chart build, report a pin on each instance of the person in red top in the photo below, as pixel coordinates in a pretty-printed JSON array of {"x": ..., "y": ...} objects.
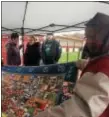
[{"x": 91, "y": 93}]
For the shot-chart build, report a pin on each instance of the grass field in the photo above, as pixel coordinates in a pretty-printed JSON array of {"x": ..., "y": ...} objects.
[{"x": 72, "y": 56}]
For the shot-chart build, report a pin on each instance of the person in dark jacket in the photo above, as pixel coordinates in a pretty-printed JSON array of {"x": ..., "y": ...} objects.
[
  {"x": 32, "y": 54},
  {"x": 51, "y": 50},
  {"x": 13, "y": 51}
]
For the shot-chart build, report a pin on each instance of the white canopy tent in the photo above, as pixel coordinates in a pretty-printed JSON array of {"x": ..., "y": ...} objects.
[{"x": 45, "y": 17}]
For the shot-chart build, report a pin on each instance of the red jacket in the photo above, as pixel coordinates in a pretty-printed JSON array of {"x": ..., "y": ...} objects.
[{"x": 96, "y": 66}]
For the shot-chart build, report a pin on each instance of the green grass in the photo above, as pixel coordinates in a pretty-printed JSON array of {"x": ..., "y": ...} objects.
[{"x": 72, "y": 56}]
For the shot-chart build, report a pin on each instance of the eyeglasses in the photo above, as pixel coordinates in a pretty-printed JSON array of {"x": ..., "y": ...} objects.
[{"x": 64, "y": 86}]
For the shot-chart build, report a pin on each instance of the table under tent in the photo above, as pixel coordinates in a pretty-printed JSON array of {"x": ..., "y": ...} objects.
[{"x": 30, "y": 90}]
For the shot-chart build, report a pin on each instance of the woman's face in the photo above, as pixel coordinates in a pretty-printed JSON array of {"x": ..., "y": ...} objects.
[
  {"x": 90, "y": 34},
  {"x": 31, "y": 40},
  {"x": 92, "y": 42},
  {"x": 65, "y": 87},
  {"x": 36, "y": 39}
]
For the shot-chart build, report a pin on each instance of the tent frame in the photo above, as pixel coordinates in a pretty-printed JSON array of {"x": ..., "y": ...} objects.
[{"x": 43, "y": 29}]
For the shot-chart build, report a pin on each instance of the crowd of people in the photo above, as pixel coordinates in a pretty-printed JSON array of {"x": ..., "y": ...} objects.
[{"x": 48, "y": 52}]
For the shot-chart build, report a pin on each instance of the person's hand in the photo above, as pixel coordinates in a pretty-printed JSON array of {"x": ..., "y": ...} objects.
[
  {"x": 81, "y": 64},
  {"x": 68, "y": 94}
]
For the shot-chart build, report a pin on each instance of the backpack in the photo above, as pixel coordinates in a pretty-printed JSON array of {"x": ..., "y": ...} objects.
[{"x": 49, "y": 49}]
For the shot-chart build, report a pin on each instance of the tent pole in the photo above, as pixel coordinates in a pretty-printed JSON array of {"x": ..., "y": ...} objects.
[
  {"x": 67, "y": 52},
  {"x": 22, "y": 28},
  {"x": 22, "y": 34}
]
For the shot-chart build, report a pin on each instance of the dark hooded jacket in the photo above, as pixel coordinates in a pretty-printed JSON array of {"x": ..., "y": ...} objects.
[
  {"x": 100, "y": 22},
  {"x": 85, "y": 53},
  {"x": 32, "y": 55},
  {"x": 13, "y": 54},
  {"x": 99, "y": 59}
]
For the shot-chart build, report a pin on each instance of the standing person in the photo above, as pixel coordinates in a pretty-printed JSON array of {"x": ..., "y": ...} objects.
[
  {"x": 51, "y": 50},
  {"x": 32, "y": 54},
  {"x": 91, "y": 93},
  {"x": 13, "y": 51}
]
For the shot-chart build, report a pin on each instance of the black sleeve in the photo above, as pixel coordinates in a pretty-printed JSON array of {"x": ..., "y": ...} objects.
[
  {"x": 42, "y": 51},
  {"x": 39, "y": 51},
  {"x": 26, "y": 57},
  {"x": 11, "y": 53},
  {"x": 58, "y": 51}
]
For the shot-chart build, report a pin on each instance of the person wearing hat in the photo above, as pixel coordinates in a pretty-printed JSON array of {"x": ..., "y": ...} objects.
[
  {"x": 91, "y": 96},
  {"x": 51, "y": 50}
]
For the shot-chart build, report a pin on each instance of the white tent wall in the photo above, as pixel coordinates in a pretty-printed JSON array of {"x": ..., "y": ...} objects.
[
  {"x": 41, "y": 14},
  {"x": 12, "y": 14}
]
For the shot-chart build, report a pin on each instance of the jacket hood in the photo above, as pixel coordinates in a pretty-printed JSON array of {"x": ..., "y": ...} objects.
[{"x": 101, "y": 22}]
